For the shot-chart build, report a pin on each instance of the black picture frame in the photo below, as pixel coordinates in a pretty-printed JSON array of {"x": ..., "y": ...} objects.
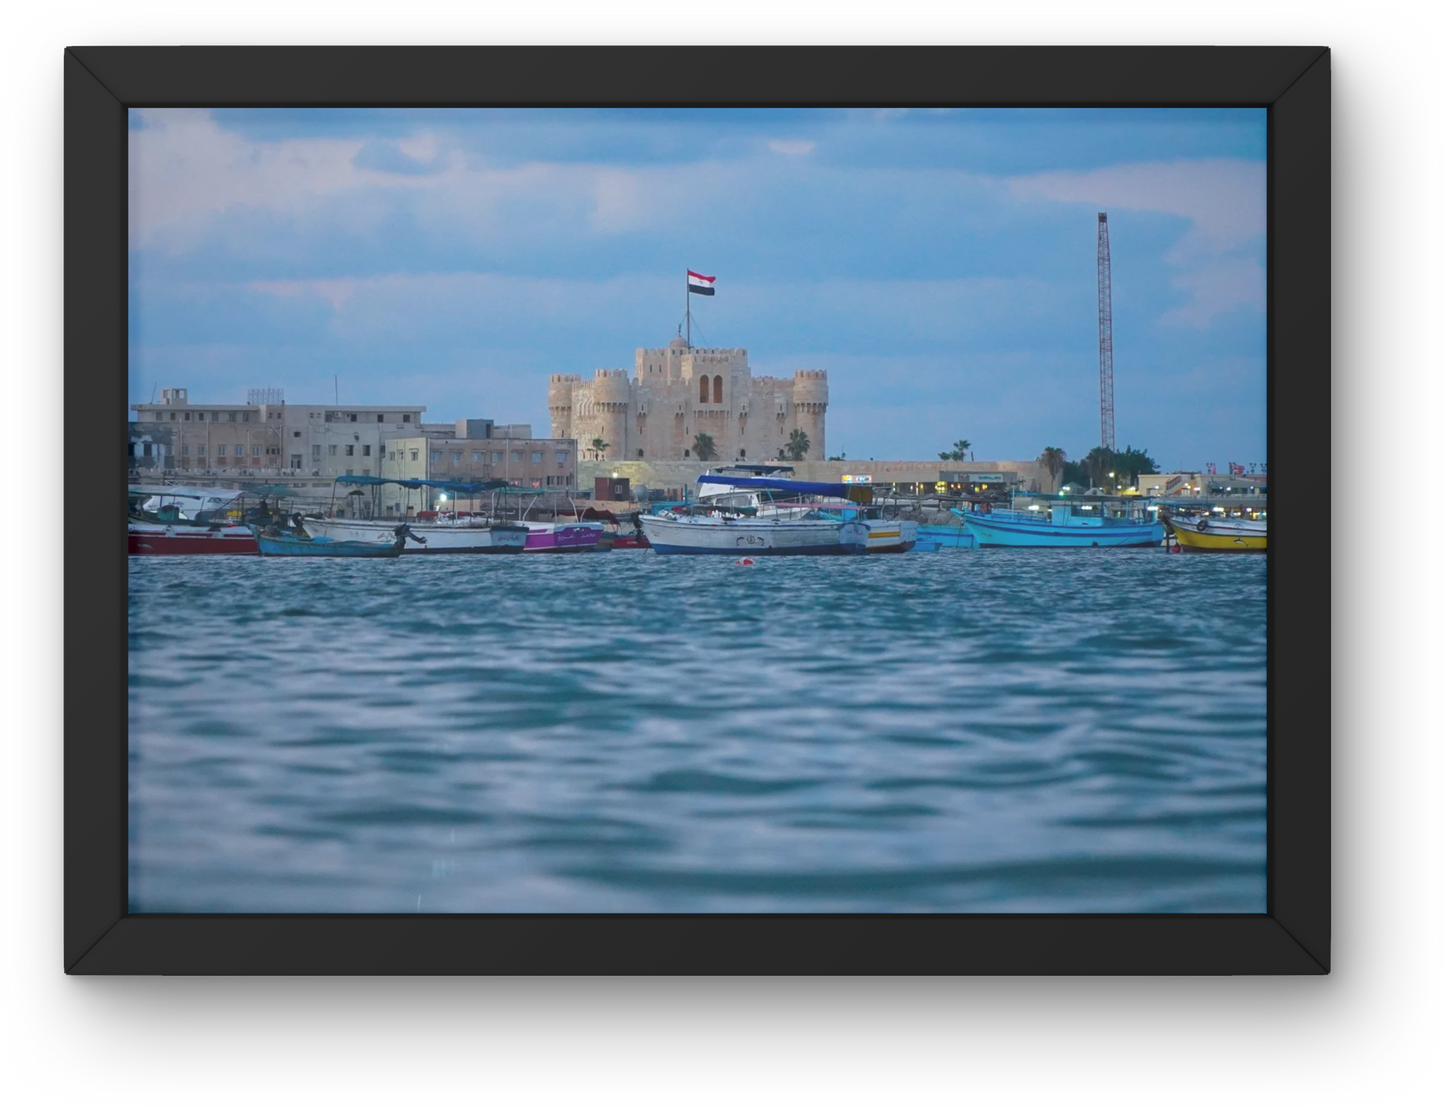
[{"x": 1291, "y": 936}]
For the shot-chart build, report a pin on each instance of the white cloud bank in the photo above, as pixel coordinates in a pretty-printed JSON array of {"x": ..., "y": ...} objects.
[{"x": 1224, "y": 200}]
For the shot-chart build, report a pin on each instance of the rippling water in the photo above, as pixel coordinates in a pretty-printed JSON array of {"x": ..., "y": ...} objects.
[{"x": 1037, "y": 731}]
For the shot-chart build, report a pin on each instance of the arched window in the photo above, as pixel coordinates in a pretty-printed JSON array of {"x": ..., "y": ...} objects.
[
  {"x": 717, "y": 390},
  {"x": 702, "y": 389},
  {"x": 742, "y": 453}
]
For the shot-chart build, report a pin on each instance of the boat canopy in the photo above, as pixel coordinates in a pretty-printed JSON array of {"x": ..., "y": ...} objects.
[
  {"x": 858, "y": 494},
  {"x": 469, "y": 488}
]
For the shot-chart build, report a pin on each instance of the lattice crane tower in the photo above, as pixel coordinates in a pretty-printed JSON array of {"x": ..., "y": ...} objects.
[{"x": 1106, "y": 340}]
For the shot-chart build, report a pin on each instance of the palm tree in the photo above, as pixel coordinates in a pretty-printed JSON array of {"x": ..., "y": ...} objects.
[
  {"x": 598, "y": 446},
  {"x": 704, "y": 447},
  {"x": 959, "y": 453},
  {"x": 798, "y": 445},
  {"x": 1053, "y": 460},
  {"x": 1097, "y": 463}
]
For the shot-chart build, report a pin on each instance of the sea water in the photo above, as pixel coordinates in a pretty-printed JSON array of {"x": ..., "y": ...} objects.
[{"x": 971, "y": 731}]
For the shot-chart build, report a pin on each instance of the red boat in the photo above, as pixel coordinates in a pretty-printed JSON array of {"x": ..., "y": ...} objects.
[{"x": 190, "y": 538}]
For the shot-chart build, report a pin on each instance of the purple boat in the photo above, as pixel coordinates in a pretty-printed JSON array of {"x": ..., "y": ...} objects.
[{"x": 562, "y": 538}]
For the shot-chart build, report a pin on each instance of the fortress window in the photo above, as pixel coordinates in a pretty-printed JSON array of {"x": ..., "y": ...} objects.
[
  {"x": 717, "y": 390},
  {"x": 742, "y": 453},
  {"x": 702, "y": 390},
  {"x": 687, "y": 453},
  {"x": 639, "y": 451}
]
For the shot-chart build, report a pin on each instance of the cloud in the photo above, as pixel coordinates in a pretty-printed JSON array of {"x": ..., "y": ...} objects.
[{"x": 791, "y": 146}]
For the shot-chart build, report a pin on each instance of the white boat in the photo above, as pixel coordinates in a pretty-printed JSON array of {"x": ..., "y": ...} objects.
[
  {"x": 443, "y": 536},
  {"x": 768, "y": 496},
  {"x": 672, "y": 533}
]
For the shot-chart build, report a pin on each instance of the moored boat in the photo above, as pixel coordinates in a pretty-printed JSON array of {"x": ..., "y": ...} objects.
[
  {"x": 440, "y": 536},
  {"x": 933, "y": 537},
  {"x": 183, "y": 537},
  {"x": 562, "y": 538},
  {"x": 1205, "y": 534},
  {"x": 671, "y": 533},
  {"x": 771, "y": 497},
  {"x": 274, "y": 544},
  {"x": 1060, "y": 527}
]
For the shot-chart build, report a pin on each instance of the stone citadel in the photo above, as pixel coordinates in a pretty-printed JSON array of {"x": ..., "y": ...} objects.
[{"x": 677, "y": 392}]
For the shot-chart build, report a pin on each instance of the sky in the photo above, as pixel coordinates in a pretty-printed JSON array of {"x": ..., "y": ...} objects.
[{"x": 938, "y": 263}]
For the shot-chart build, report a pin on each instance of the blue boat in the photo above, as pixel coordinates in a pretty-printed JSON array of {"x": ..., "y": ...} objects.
[
  {"x": 932, "y": 538},
  {"x": 1058, "y": 526},
  {"x": 274, "y": 544}
]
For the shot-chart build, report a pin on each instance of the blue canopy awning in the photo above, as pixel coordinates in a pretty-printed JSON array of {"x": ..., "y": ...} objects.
[{"x": 467, "y": 488}]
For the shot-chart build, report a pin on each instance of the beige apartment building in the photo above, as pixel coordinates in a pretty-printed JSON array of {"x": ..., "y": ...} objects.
[{"x": 267, "y": 437}]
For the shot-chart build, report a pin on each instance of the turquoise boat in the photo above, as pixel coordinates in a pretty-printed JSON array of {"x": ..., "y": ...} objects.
[
  {"x": 274, "y": 544},
  {"x": 932, "y": 538},
  {"x": 1058, "y": 526}
]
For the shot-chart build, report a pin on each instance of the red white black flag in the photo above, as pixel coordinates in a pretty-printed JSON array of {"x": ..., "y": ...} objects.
[{"x": 699, "y": 285}]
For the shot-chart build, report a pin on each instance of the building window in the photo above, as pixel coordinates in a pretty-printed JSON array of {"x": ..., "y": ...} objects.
[
  {"x": 436, "y": 455},
  {"x": 378, "y": 417},
  {"x": 516, "y": 455},
  {"x": 201, "y": 450},
  {"x": 687, "y": 453},
  {"x": 349, "y": 472},
  {"x": 245, "y": 417},
  {"x": 561, "y": 457},
  {"x": 639, "y": 451},
  {"x": 391, "y": 455},
  {"x": 702, "y": 390},
  {"x": 414, "y": 455},
  {"x": 496, "y": 456},
  {"x": 188, "y": 417},
  {"x": 147, "y": 450},
  {"x": 366, "y": 471},
  {"x": 536, "y": 456},
  {"x": 255, "y": 451},
  {"x": 406, "y": 417},
  {"x": 366, "y": 450},
  {"x": 717, "y": 390},
  {"x": 456, "y": 455},
  {"x": 331, "y": 450},
  {"x": 350, "y": 450},
  {"x": 476, "y": 455},
  {"x": 742, "y": 453},
  {"x": 173, "y": 417},
  {"x": 295, "y": 434},
  {"x": 200, "y": 417},
  {"x": 352, "y": 417},
  {"x": 215, "y": 417},
  {"x": 231, "y": 417},
  {"x": 185, "y": 451},
  {"x": 295, "y": 461}
]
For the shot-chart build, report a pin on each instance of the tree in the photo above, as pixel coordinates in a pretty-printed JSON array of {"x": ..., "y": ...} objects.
[
  {"x": 959, "y": 453},
  {"x": 1053, "y": 460},
  {"x": 1098, "y": 464},
  {"x": 1129, "y": 463},
  {"x": 798, "y": 445},
  {"x": 704, "y": 447},
  {"x": 838, "y": 457},
  {"x": 598, "y": 446}
]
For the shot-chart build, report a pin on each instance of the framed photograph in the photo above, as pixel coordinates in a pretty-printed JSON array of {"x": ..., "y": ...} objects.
[{"x": 877, "y": 447}]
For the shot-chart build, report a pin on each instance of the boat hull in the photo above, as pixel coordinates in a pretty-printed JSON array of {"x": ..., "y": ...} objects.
[
  {"x": 945, "y": 538},
  {"x": 563, "y": 538},
  {"x": 441, "y": 538},
  {"x": 755, "y": 538},
  {"x": 296, "y": 546},
  {"x": 992, "y": 530},
  {"x": 1218, "y": 539},
  {"x": 144, "y": 539},
  {"x": 890, "y": 536}
]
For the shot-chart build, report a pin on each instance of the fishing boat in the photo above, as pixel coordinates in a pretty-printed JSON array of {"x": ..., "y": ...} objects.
[
  {"x": 670, "y": 532},
  {"x": 1059, "y": 527},
  {"x": 1199, "y": 534},
  {"x": 275, "y": 544},
  {"x": 774, "y": 497},
  {"x": 181, "y": 520},
  {"x": 562, "y": 538},
  {"x": 432, "y": 532},
  {"x": 933, "y": 537}
]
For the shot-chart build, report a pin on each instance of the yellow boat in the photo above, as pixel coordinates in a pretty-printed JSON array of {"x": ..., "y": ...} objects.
[{"x": 1207, "y": 534}]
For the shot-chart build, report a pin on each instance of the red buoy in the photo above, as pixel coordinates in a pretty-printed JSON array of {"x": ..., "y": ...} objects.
[{"x": 744, "y": 562}]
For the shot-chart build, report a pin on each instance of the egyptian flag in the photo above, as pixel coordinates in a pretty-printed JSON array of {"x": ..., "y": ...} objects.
[{"x": 699, "y": 285}]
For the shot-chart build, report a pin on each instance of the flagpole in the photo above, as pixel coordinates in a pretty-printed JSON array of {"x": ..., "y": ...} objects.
[{"x": 687, "y": 312}]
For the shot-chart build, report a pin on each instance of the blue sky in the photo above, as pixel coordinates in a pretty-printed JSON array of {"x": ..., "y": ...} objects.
[{"x": 939, "y": 264}]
